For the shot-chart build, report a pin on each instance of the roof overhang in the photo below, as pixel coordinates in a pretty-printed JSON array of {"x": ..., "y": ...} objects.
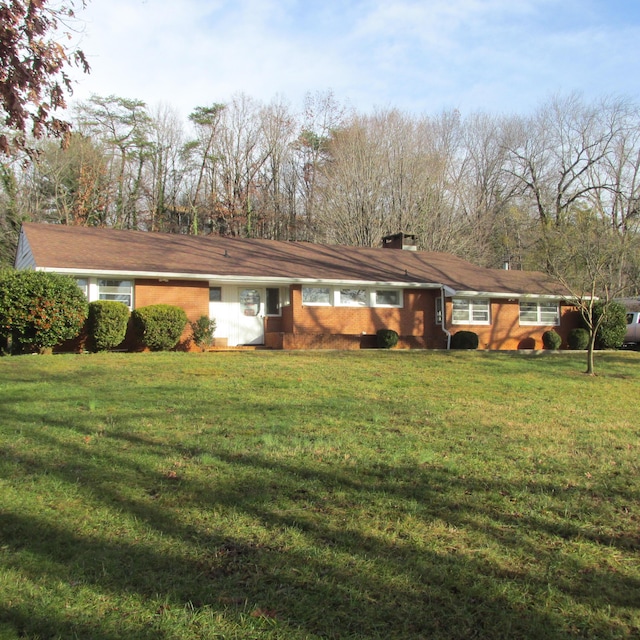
[
  {"x": 227, "y": 279},
  {"x": 506, "y": 295},
  {"x": 449, "y": 292}
]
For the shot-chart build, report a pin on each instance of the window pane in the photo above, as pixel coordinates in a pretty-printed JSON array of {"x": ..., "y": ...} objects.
[
  {"x": 480, "y": 315},
  {"x": 316, "y": 295},
  {"x": 480, "y": 310},
  {"x": 549, "y": 314},
  {"x": 528, "y": 312},
  {"x": 460, "y": 310},
  {"x": 273, "y": 302},
  {"x": 118, "y": 290},
  {"x": 543, "y": 313},
  {"x": 122, "y": 285},
  {"x": 353, "y": 297},
  {"x": 439, "y": 310},
  {"x": 215, "y": 294},
  {"x": 83, "y": 284},
  {"x": 250, "y": 302},
  {"x": 388, "y": 296}
]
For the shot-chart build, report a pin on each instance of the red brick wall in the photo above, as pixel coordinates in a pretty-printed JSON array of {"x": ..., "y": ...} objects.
[
  {"x": 303, "y": 327},
  {"x": 505, "y": 331},
  {"x": 407, "y": 321}
]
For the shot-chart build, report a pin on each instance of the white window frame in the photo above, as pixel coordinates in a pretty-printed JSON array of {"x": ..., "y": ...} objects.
[
  {"x": 321, "y": 303},
  {"x": 266, "y": 297},
  {"x": 376, "y": 303},
  {"x": 115, "y": 295},
  {"x": 368, "y": 297},
  {"x": 473, "y": 306},
  {"x": 439, "y": 311},
  {"x": 83, "y": 285},
  {"x": 361, "y": 298},
  {"x": 539, "y": 304}
]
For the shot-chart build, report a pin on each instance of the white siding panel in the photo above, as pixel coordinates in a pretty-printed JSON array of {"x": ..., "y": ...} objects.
[{"x": 225, "y": 315}]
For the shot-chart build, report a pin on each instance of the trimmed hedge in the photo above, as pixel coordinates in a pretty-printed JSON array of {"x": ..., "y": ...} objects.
[
  {"x": 578, "y": 339},
  {"x": 386, "y": 338},
  {"x": 159, "y": 326},
  {"x": 464, "y": 340},
  {"x": 107, "y": 324},
  {"x": 39, "y": 310},
  {"x": 551, "y": 340}
]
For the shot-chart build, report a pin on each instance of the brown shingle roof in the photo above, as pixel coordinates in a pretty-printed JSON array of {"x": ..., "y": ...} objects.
[{"x": 131, "y": 252}]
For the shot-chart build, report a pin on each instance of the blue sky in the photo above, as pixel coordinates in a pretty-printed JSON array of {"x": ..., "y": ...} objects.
[{"x": 421, "y": 56}]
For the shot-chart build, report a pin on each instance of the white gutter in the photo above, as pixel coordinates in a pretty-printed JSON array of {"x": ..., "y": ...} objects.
[
  {"x": 509, "y": 296},
  {"x": 226, "y": 279}
]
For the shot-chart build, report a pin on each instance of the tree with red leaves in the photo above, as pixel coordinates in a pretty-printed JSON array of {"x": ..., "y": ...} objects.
[{"x": 33, "y": 68}]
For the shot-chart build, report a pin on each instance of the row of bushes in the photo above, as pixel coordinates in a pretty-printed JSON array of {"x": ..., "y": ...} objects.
[
  {"x": 578, "y": 338},
  {"x": 39, "y": 311},
  {"x": 157, "y": 327}
]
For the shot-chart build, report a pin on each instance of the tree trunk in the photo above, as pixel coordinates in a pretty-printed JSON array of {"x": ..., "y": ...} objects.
[{"x": 590, "y": 351}]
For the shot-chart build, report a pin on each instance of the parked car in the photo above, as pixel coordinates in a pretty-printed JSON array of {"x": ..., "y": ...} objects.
[{"x": 632, "y": 337}]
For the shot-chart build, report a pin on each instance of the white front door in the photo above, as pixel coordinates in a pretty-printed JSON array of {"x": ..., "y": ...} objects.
[{"x": 251, "y": 320}]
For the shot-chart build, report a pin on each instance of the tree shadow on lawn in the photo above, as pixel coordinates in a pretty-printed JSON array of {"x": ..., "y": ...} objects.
[{"x": 298, "y": 562}]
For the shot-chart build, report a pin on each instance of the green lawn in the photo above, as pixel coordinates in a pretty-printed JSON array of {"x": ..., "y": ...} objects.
[{"x": 263, "y": 495}]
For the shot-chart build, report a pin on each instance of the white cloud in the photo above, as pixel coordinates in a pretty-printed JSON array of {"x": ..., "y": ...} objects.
[{"x": 417, "y": 55}]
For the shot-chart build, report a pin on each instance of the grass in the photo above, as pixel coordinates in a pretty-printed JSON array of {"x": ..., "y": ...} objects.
[{"x": 309, "y": 495}]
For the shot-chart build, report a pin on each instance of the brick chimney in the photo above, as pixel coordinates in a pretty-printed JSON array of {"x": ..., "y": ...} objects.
[{"x": 405, "y": 241}]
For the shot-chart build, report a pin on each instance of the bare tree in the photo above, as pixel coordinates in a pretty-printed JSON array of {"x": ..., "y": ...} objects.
[
  {"x": 555, "y": 151},
  {"x": 350, "y": 199},
  {"x": 322, "y": 116},
  {"x": 165, "y": 169},
  {"x": 584, "y": 255},
  {"x": 615, "y": 197},
  {"x": 240, "y": 154},
  {"x": 276, "y": 178}
]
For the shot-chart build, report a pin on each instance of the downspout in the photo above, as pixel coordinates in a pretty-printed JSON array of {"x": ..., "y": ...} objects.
[{"x": 443, "y": 320}]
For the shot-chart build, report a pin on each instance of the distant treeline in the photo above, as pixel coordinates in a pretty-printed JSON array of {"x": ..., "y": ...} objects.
[{"x": 486, "y": 187}]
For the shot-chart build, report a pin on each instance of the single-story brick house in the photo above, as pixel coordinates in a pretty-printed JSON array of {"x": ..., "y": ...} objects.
[{"x": 297, "y": 295}]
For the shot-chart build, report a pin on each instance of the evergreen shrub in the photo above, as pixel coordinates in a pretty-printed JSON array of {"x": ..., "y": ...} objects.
[
  {"x": 159, "y": 326},
  {"x": 551, "y": 340},
  {"x": 386, "y": 338},
  {"x": 107, "y": 324},
  {"x": 611, "y": 332},
  {"x": 39, "y": 310},
  {"x": 464, "y": 340},
  {"x": 578, "y": 338},
  {"x": 202, "y": 331}
]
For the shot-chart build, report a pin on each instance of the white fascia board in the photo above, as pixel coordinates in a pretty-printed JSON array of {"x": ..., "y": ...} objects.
[
  {"x": 226, "y": 279},
  {"x": 510, "y": 296}
]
